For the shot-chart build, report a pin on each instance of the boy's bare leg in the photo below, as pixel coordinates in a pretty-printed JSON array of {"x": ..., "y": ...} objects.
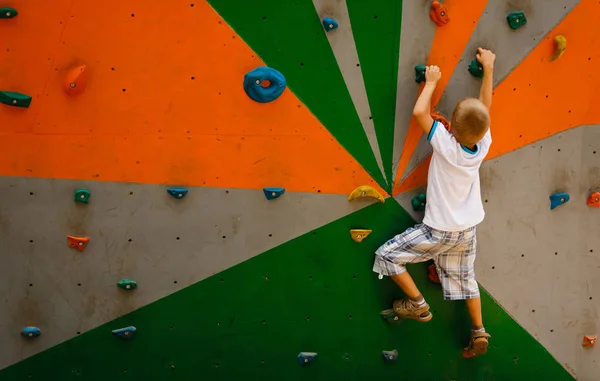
[
  {"x": 407, "y": 284},
  {"x": 474, "y": 308}
]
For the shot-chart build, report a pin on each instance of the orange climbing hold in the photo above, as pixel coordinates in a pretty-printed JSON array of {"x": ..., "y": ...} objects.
[
  {"x": 433, "y": 275},
  {"x": 594, "y": 200},
  {"x": 78, "y": 242},
  {"x": 589, "y": 341},
  {"x": 440, "y": 118},
  {"x": 76, "y": 80},
  {"x": 439, "y": 13}
]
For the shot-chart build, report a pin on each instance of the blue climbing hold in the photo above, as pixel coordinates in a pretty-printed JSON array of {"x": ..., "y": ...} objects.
[
  {"x": 31, "y": 332},
  {"x": 177, "y": 192},
  {"x": 390, "y": 356},
  {"x": 264, "y": 84},
  {"x": 306, "y": 357},
  {"x": 329, "y": 24},
  {"x": 558, "y": 199},
  {"x": 273, "y": 193},
  {"x": 126, "y": 333}
]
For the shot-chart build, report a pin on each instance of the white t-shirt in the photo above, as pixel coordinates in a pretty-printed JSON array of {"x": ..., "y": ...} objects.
[{"x": 453, "y": 191}]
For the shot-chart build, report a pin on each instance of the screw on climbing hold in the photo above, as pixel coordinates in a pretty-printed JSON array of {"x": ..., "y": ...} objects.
[
  {"x": 359, "y": 234},
  {"x": 432, "y": 274},
  {"x": 589, "y": 341},
  {"x": 75, "y": 81},
  {"x": 255, "y": 81},
  {"x": 476, "y": 69},
  {"x": 273, "y": 193},
  {"x": 594, "y": 200},
  {"x": 440, "y": 118},
  {"x": 329, "y": 24},
  {"x": 560, "y": 45},
  {"x": 366, "y": 191},
  {"x": 306, "y": 357},
  {"x": 390, "y": 316},
  {"x": 420, "y": 73},
  {"x": 418, "y": 202},
  {"x": 439, "y": 13},
  {"x": 82, "y": 195},
  {"x": 390, "y": 356},
  {"x": 516, "y": 20},
  {"x": 177, "y": 192},
  {"x": 558, "y": 199},
  {"x": 78, "y": 242},
  {"x": 127, "y": 284},
  {"x": 8, "y": 13},
  {"x": 11, "y": 98},
  {"x": 126, "y": 333},
  {"x": 31, "y": 332}
]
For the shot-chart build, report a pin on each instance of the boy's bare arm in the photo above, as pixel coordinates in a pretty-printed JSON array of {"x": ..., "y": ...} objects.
[
  {"x": 422, "y": 109},
  {"x": 486, "y": 58}
]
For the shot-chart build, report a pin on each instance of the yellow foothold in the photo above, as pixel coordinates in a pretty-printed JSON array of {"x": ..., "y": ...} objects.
[
  {"x": 359, "y": 234},
  {"x": 366, "y": 191},
  {"x": 560, "y": 44}
]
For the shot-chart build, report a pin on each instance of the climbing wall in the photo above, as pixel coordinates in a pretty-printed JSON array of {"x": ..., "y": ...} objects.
[{"x": 128, "y": 101}]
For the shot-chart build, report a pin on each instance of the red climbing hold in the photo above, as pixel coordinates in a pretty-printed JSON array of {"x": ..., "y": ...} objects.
[
  {"x": 437, "y": 116},
  {"x": 594, "y": 200},
  {"x": 439, "y": 13},
  {"x": 78, "y": 242},
  {"x": 433, "y": 276},
  {"x": 589, "y": 341},
  {"x": 76, "y": 80}
]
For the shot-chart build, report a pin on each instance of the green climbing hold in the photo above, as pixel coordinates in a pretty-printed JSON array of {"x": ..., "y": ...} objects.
[
  {"x": 82, "y": 195},
  {"x": 516, "y": 20},
  {"x": 476, "y": 69},
  {"x": 127, "y": 284},
  {"x": 8, "y": 13},
  {"x": 420, "y": 73},
  {"x": 418, "y": 202},
  {"x": 14, "y": 99}
]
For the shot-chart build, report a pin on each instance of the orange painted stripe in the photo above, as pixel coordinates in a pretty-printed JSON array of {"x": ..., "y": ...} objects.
[
  {"x": 541, "y": 98},
  {"x": 448, "y": 45},
  {"x": 164, "y": 103}
]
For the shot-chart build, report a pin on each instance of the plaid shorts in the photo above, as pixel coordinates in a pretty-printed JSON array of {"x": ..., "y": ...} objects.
[{"x": 452, "y": 252}]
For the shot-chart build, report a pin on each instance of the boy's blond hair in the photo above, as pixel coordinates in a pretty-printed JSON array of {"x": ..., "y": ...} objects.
[{"x": 470, "y": 121}]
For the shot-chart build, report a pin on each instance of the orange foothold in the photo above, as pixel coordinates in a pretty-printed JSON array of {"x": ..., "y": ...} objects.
[
  {"x": 78, "y": 242},
  {"x": 433, "y": 276},
  {"x": 594, "y": 200},
  {"x": 439, "y": 13},
  {"x": 589, "y": 341},
  {"x": 437, "y": 116},
  {"x": 76, "y": 80}
]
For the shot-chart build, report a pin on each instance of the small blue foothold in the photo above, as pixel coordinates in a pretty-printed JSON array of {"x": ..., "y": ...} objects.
[
  {"x": 255, "y": 79},
  {"x": 558, "y": 199},
  {"x": 177, "y": 192},
  {"x": 273, "y": 193},
  {"x": 329, "y": 24},
  {"x": 126, "y": 333},
  {"x": 306, "y": 357},
  {"x": 390, "y": 356},
  {"x": 31, "y": 332}
]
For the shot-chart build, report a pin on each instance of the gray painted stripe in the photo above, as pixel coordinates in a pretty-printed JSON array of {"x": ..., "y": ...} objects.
[
  {"x": 346, "y": 55},
  {"x": 416, "y": 39},
  {"x": 174, "y": 243},
  {"x": 404, "y": 199},
  {"x": 510, "y": 46}
]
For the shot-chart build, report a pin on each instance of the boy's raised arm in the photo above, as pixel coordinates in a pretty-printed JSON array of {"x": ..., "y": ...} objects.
[
  {"x": 486, "y": 58},
  {"x": 422, "y": 109}
]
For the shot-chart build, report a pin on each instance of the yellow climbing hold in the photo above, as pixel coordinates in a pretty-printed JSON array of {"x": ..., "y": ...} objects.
[
  {"x": 365, "y": 191},
  {"x": 560, "y": 44},
  {"x": 359, "y": 234}
]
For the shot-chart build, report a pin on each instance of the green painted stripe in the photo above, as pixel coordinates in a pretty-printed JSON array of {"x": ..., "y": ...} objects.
[
  {"x": 289, "y": 36},
  {"x": 376, "y": 27},
  {"x": 314, "y": 293}
]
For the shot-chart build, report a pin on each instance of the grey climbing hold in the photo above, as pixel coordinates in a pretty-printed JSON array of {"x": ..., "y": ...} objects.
[{"x": 390, "y": 356}]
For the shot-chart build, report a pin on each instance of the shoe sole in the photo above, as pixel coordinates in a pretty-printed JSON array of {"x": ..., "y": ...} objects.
[{"x": 480, "y": 347}]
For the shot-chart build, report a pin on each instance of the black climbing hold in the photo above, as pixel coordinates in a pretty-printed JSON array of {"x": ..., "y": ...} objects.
[
  {"x": 273, "y": 193},
  {"x": 14, "y": 99},
  {"x": 8, "y": 13},
  {"x": 390, "y": 316},
  {"x": 558, "y": 199},
  {"x": 516, "y": 20},
  {"x": 82, "y": 195},
  {"x": 127, "y": 284},
  {"x": 126, "y": 333},
  {"x": 31, "y": 332},
  {"x": 418, "y": 202},
  {"x": 306, "y": 357},
  {"x": 329, "y": 24},
  {"x": 420, "y": 73},
  {"x": 177, "y": 192},
  {"x": 390, "y": 356},
  {"x": 476, "y": 69}
]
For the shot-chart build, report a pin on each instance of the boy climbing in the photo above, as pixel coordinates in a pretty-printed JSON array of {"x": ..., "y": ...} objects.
[{"x": 453, "y": 210}]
